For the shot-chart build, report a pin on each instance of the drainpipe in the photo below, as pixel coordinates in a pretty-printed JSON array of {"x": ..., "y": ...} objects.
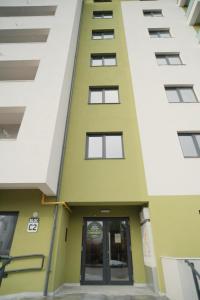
[{"x": 53, "y": 232}]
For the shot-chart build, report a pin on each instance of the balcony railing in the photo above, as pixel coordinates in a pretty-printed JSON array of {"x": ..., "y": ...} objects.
[
  {"x": 196, "y": 277},
  {"x": 182, "y": 280},
  {"x": 6, "y": 260}
]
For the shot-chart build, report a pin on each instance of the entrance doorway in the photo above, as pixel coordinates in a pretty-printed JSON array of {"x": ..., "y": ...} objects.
[{"x": 106, "y": 251}]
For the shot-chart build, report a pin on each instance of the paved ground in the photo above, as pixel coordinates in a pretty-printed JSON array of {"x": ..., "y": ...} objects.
[
  {"x": 68, "y": 292},
  {"x": 97, "y": 297},
  {"x": 107, "y": 290}
]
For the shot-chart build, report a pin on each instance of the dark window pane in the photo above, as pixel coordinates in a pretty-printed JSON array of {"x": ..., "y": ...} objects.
[{"x": 7, "y": 227}]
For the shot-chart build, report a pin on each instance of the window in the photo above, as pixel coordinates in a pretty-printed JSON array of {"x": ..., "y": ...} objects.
[
  {"x": 102, "y": 34},
  {"x": 153, "y": 13},
  {"x": 105, "y": 14},
  {"x": 168, "y": 59},
  {"x": 103, "y": 95},
  {"x": 102, "y": 0},
  {"x": 159, "y": 33},
  {"x": 190, "y": 144},
  {"x": 7, "y": 227},
  {"x": 106, "y": 145},
  {"x": 99, "y": 60},
  {"x": 180, "y": 94},
  {"x": 27, "y": 11}
]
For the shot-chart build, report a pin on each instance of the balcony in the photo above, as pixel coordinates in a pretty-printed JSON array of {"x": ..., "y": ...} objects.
[
  {"x": 10, "y": 122},
  {"x": 193, "y": 12}
]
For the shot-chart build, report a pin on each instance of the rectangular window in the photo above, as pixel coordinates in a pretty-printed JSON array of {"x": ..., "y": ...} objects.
[
  {"x": 159, "y": 33},
  {"x": 27, "y": 11},
  {"x": 37, "y": 35},
  {"x": 180, "y": 94},
  {"x": 8, "y": 222},
  {"x": 103, "y": 34},
  {"x": 168, "y": 59},
  {"x": 105, "y": 14},
  {"x": 190, "y": 144},
  {"x": 102, "y": 0},
  {"x": 104, "y": 146},
  {"x": 100, "y": 60},
  {"x": 152, "y": 13},
  {"x": 99, "y": 95}
]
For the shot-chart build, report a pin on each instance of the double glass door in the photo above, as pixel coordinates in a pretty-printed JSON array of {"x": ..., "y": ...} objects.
[{"x": 106, "y": 254}]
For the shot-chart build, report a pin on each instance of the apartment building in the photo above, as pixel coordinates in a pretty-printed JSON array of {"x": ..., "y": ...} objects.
[{"x": 100, "y": 144}]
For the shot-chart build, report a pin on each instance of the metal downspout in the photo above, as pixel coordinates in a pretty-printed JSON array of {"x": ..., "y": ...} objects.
[{"x": 53, "y": 233}]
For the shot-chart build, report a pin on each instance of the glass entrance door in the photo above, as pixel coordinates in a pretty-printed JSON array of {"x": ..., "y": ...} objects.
[{"x": 106, "y": 256}]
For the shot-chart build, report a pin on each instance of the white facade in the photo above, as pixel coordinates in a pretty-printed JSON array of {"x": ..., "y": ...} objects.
[
  {"x": 32, "y": 160},
  {"x": 178, "y": 277},
  {"x": 167, "y": 171}
]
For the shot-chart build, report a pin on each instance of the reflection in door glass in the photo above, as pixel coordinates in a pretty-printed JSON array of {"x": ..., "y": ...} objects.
[
  {"x": 7, "y": 227},
  {"x": 94, "y": 251},
  {"x": 118, "y": 257}
]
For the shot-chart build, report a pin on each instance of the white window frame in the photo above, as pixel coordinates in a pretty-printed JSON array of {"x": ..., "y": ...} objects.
[
  {"x": 179, "y": 96},
  {"x": 102, "y": 34},
  {"x": 104, "y": 150},
  {"x": 102, "y": 14},
  {"x": 103, "y": 90},
  {"x": 166, "y": 57},
  {"x": 195, "y": 143},
  {"x": 152, "y": 12},
  {"x": 103, "y": 58},
  {"x": 159, "y": 32},
  {"x": 101, "y": 1}
]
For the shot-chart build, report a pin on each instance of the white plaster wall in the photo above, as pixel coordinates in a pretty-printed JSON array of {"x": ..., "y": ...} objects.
[
  {"x": 33, "y": 160},
  {"x": 186, "y": 277},
  {"x": 172, "y": 279},
  {"x": 167, "y": 171},
  {"x": 179, "y": 282}
]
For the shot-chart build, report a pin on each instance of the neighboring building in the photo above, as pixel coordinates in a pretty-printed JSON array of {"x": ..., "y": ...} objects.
[{"x": 99, "y": 110}]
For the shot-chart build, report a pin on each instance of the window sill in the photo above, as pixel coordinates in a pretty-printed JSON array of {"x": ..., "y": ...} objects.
[
  {"x": 119, "y": 158},
  {"x": 173, "y": 65},
  {"x": 114, "y": 103}
]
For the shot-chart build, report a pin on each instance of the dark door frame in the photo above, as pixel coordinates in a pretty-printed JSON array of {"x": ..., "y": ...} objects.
[{"x": 106, "y": 270}]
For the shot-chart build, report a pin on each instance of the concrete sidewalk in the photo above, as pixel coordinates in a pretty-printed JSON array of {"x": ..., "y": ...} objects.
[
  {"x": 70, "y": 292},
  {"x": 77, "y": 292}
]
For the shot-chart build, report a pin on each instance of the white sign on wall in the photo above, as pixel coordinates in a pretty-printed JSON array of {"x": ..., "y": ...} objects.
[
  {"x": 33, "y": 225},
  {"x": 118, "y": 238}
]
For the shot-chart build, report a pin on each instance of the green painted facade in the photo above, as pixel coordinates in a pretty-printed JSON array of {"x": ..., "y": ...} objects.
[
  {"x": 174, "y": 223},
  {"x": 89, "y": 185},
  {"x": 26, "y": 202},
  {"x": 102, "y": 181}
]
